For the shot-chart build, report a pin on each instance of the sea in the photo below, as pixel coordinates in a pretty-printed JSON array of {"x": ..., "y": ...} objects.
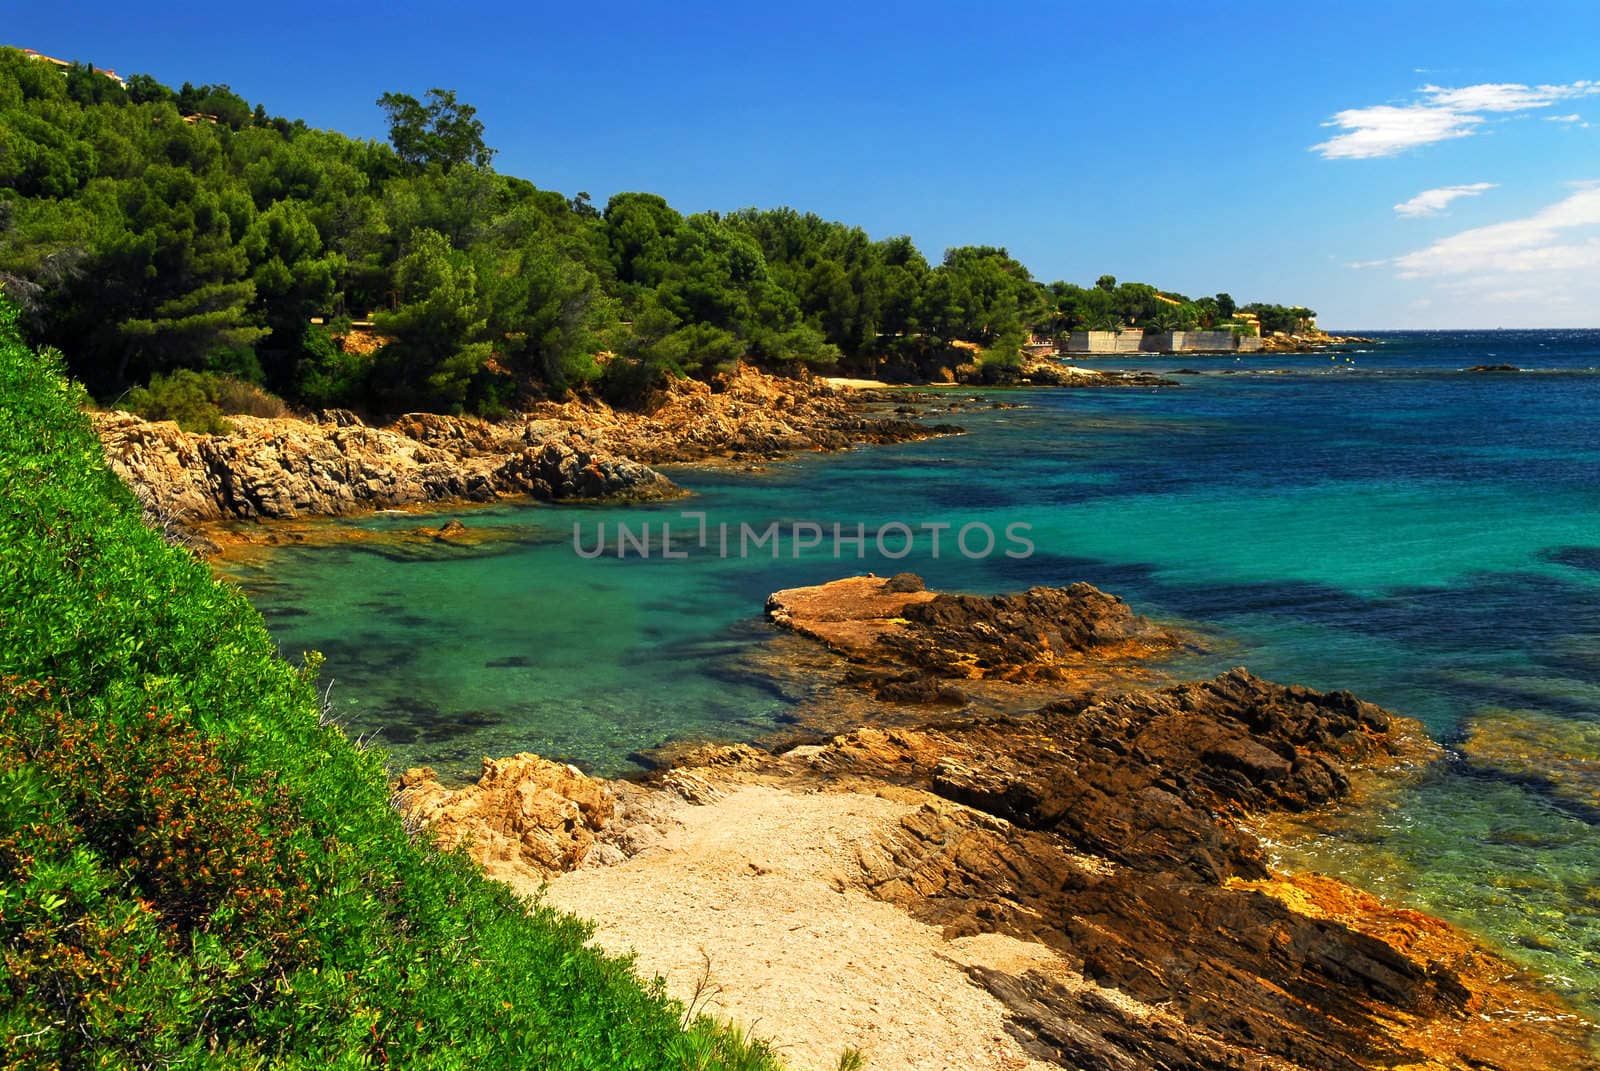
[{"x": 1374, "y": 518}]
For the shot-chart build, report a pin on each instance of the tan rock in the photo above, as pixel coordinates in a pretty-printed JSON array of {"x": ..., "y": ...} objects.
[{"x": 523, "y": 812}]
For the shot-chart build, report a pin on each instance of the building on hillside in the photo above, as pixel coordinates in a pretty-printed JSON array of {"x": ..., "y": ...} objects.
[
  {"x": 1040, "y": 346},
  {"x": 64, "y": 64}
]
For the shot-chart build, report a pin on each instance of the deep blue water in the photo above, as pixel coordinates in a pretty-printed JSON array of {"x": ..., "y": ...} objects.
[{"x": 1377, "y": 520}]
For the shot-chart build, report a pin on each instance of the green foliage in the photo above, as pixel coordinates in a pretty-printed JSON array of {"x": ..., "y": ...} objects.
[
  {"x": 437, "y": 329},
  {"x": 1002, "y": 362},
  {"x": 151, "y": 230},
  {"x": 195, "y": 870},
  {"x": 198, "y": 401},
  {"x": 327, "y": 376},
  {"x": 441, "y": 132},
  {"x": 1292, "y": 320}
]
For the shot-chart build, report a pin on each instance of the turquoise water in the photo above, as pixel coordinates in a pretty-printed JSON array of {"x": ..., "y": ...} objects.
[{"x": 1380, "y": 521}]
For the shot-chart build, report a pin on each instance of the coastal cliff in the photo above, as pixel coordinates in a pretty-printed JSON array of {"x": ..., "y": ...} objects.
[
  {"x": 284, "y": 468},
  {"x": 1076, "y": 885},
  {"x": 335, "y": 464}
]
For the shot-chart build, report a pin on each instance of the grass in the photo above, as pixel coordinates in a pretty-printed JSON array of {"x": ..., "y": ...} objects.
[{"x": 195, "y": 871}]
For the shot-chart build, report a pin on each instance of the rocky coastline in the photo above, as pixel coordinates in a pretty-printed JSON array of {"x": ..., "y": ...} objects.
[
  {"x": 1310, "y": 341},
  {"x": 1000, "y": 837},
  {"x": 1082, "y": 876},
  {"x": 334, "y": 464}
]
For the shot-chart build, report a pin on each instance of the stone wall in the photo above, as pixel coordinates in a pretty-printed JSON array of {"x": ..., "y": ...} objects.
[
  {"x": 1137, "y": 340},
  {"x": 1127, "y": 341}
]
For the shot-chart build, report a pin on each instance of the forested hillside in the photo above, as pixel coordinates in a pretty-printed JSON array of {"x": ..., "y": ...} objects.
[{"x": 146, "y": 231}]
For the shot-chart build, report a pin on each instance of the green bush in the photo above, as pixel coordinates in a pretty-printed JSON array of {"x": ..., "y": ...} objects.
[
  {"x": 198, "y": 401},
  {"x": 195, "y": 870}
]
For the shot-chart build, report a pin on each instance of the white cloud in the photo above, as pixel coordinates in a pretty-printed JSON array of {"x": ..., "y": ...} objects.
[
  {"x": 1440, "y": 114},
  {"x": 1386, "y": 130},
  {"x": 1564, "y": 237},
  {"x": 1432, "y": 202},
  {"x": 1540, "y": 270},
  {"x": 1504, "y": 96},
  {"x": 1573, "y": 118}
]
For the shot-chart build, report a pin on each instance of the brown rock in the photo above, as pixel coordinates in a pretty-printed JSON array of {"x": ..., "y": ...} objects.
[
  {"x": 1048, "y": 372},
  {"x": 337, "y": 465},
  {"x": 1106, "y": 829},
  {"x": 523, "y": 811},
  {"x": 285, "y": 468},
  {"x": 909, "y": 643}
]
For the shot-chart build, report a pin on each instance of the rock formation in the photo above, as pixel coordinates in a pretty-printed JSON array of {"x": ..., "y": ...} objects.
[
  {"x": 337, "y": 465},
  {"x": 908, "y": 644},
  {"x": 1109, "y": 831},
  {"x": 1046, "y": 372},
  {"x": 283, "y": 468},
  {"x": 742, "y": 414},
  {"x": 523, "y": 811}
]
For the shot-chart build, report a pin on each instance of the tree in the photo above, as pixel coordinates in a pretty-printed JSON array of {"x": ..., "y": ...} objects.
[
  {"x": 442, "y": 131},
  {"x": 199, "y": 327},
  {"x": 550, "y": 311},
  {"x": 1225, "y": 305},
  {"x": 1107, "y": 283},
  {"x": 437, "y": 330},
  {"x": 978, "y": 294}
]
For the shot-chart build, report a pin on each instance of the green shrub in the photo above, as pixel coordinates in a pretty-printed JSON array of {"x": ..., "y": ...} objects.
[
  {"x": 195, "y": 870},
  {"x": 234, "y": 396},
  {"x": 181, "y": 397},
  {"x": 198, "y": 401}
]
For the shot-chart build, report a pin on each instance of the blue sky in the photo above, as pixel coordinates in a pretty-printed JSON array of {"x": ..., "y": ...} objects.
[{"x": 1187, "y": 145}]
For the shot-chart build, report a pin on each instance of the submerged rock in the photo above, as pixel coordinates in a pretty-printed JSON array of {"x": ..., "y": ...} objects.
[{"x": 1557, "y": 756}]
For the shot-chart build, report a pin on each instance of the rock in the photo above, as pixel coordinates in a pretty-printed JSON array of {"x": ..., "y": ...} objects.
[
  {"x": 560, "y": 469},
  {"x": 1493, "y": 368},
  {"x": 1109, "y": 829},
  {"x": 904, "y": 584},
  {"x": 1113, "y": 829},
  {"x": 286, "y": 468},
  {"x": 523, "y": 811},
  {"x": 1558, "y": 757},
  {"x": 451, "y": 529},
  {"x": 741, "y": 414},
  {"x": 1309, "y": 341},
  {"x": 1016, "y": 635},
  {"x": 1048, "y": 372},
  {"x": 337, "y": 465},
  {"x": 912, "y": 642},
  {"x": 340, "y": 418}
]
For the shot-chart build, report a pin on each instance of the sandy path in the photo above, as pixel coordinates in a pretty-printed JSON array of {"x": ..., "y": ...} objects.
[{"x": 754, "y": 881}]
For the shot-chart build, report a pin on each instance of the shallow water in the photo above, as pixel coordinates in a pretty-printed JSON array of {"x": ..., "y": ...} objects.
[{"x": 1377, "y": 520}]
